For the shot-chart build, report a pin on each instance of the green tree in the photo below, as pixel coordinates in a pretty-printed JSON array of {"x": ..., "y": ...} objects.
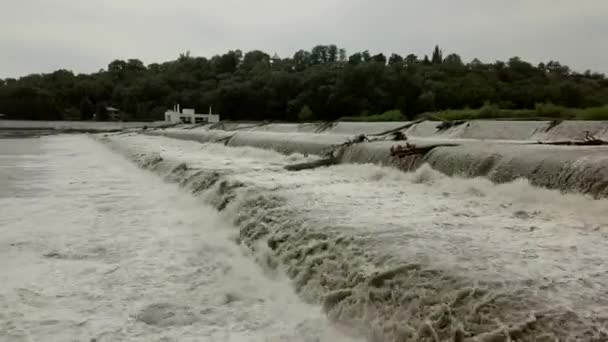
[
  {"x": 228, "y": 62},
  {"x": 395, "y": 59},
  {"x": 322, "y": 54},
  {"x": 87, "y": 109},
  {"x": 302, "y": 60},
  {"x": 355, "y": 58},
  {"x": 426, "y": 102},
  {"x": 411, "y": 59},
  {"x": 305, "y": 114},
  {"x": 253, "y": 58},
  {"x": 321, "y": 81},
  {"x": 101, "y": 112},
  {"x": 437, "y": 56},
  {"x": 379, "y": 58},
  {"x": 453, "y": 59},
  {"x": 342, "y": 55}
]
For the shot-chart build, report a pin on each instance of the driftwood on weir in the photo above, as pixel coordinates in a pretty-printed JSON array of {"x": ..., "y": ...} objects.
[
  {"x": 401, "y": 151},
  {"x": 589, "y": 140},
  {"x": 325, "y": 126},
  {"x": 333, "y": 153},
  {"x": 553, "y": 124},
  {"x": 334, "y": 150},
  {"x": 224, "y": 140},
  {"x": 394, "y": 136},
  {"x": 574, "y": 142},
  {"x": 398, "y": 136},
  {"x": 406, "y": 126},
  {"x": 449, "y": 124},
  {"x": 332, "y": 156},
  {"x": 311, "y": 165}
]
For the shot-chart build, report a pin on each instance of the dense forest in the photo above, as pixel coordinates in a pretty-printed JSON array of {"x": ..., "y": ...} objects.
[{"x": 321, "y": 84}]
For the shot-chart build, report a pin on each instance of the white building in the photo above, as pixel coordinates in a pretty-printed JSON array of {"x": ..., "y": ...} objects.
[{"x": 188, "y": 116}]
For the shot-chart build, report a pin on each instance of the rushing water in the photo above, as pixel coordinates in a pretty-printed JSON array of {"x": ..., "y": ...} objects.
[
  {"x": 94, "y": 249},
  {"x": 407, "y": 256}
]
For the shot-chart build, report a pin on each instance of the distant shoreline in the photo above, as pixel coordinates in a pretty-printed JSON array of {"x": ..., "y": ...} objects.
[
  {"x": 25, "y": 133},
  {"x": 75, "y": 126}
]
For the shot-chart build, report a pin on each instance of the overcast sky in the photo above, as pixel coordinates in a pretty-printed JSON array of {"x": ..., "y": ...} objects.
[{"x": 85, "y": 35}]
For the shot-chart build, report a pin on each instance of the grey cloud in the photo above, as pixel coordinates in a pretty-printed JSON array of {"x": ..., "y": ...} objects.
[{"x": 42, "y": 35}]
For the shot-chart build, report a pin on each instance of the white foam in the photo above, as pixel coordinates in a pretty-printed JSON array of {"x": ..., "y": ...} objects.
[
  {"x": 109, "y": 252},
  {"x": 538, "y": 248}
]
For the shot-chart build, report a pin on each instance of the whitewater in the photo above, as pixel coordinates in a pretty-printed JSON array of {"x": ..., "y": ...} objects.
[
  {"x": 405, "y": 256},
  {"x": 94, "y": 249},
  {"x": 134, "y": 237}
]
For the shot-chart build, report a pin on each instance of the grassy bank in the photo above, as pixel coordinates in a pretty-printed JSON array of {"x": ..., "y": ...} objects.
[
  {"x": 546, "y": 111},
  {"x": 391, "y": 115},
  {"x": 542, "y": 111}
]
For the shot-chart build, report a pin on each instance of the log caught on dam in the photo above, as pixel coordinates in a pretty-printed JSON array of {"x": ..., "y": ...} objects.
[
  {"x": 312, "y": 165},
  {"x": 411, "y": 149},
  {"x": 589, "y": 140},
  {"x": 406, "y": 126}
]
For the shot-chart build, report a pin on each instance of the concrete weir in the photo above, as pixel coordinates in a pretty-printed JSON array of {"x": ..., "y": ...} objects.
[
  {"x": 499, "y": 150},
  {"x": 394, "y": 256}
]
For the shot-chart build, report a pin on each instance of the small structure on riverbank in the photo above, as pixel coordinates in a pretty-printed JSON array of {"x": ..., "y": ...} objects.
[
  {"x": 189, "y": 116},
  {"x": 114, "y": 114}
]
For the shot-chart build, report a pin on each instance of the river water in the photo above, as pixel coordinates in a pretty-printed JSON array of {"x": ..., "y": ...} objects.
[
  {"x": 94, "y": 249},
  {"x": 397, "y": 253}
]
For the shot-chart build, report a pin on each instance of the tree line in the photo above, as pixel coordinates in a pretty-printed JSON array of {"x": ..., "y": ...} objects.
[{"x": 323, "y": 83}]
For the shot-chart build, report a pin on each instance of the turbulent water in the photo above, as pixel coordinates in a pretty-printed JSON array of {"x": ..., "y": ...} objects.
[
  {"x": 418, "y": 256},
  {"x": 94, "y": 249}
]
